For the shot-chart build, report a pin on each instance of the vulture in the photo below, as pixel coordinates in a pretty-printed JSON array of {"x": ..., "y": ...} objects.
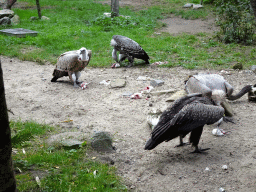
[
  {"x": 206, "y": 83},
  {"x": 127, "y": 48},
  {"x": 188, "y": 114},
  {"x": 70, "y": 64}
]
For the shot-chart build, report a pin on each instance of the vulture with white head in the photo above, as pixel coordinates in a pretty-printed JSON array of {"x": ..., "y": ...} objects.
[
  {"x": 70, "y": 64},
  {"x": 127, "y": 48}
]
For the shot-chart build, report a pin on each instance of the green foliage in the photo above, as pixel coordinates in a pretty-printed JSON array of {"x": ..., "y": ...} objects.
[
  {"x": 25, "y": 131},
  {"x": 57, "y": 168},
  {"x": 236, "y": 21}
]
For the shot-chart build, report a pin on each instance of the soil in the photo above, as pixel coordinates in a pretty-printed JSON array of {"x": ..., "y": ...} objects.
[{"x": 31, "y": 95}]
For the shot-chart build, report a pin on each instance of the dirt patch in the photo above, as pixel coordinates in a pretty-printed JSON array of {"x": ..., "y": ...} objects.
[
  {"x": 31, "y": 96},
  {"x": 176, "y": 25}
]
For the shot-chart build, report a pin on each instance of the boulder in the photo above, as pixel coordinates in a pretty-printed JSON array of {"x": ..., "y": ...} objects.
[
  {"x": 6, "y": 13},
  {"x": 15, "y": 20},
  {"x": 67, "y": 138},
  {"x": 102, "y": 141},
  {"x": 5, "y": 21}
]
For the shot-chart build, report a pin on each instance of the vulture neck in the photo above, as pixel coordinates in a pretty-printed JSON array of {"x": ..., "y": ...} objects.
[
  {"x": 83, "y": 56},
  {"x": 243, "y": 91}
]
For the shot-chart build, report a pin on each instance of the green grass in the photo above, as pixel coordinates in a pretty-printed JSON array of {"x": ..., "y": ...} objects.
[
  {"x": 76, "y": 24},
  {"x": 57, "y": 168}
]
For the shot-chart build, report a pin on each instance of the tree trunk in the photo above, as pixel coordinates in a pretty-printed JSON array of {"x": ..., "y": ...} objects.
[
  {"x": 114, "y": 8},
  {"x": 7, "y": 179},
  {"x": 38, "y": 9},
  {"x": 9, "y": 3},
  {"x": 253, "y": 4}
]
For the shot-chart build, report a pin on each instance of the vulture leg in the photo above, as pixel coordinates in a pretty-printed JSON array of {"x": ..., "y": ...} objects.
[
  {"x": 130, "y": 59},
  {"x": 122, "y": 57},
  {"x": 78, "y": 74},
  {"x": 114, "y": 56},
  {"x": 181, "y": 142},
  {"x": 194, "y": 139},
  {"x": 72, "y": 77}
]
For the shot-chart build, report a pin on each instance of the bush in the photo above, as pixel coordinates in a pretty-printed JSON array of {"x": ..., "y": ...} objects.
[{"x": 236, "y": 20}]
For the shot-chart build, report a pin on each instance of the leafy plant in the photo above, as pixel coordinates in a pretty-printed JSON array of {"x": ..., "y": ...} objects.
[{"x": 236, "y": 20}]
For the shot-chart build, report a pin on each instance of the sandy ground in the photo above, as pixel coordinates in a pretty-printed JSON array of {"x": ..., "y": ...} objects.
[{"x": 31, "y": 96}]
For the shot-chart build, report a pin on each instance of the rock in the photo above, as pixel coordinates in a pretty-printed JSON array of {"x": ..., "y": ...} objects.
[
  {"x": 127, "y": 94},
  {"x": 176, "y": 96},
  {"x": 225, "y": 167},
  {"x": 163, "y": 92},
  {"x": 117, "y": 83},
  {"x": 6, "y": 13},
  {"x": 188, "y": 5},
  {"x": 197, "y": 6},
  {"x": 5, "y": 21},
  {"x": 221, "y": 189},
  {"x": 217, "y": 132},
  {"x": 207, "y": 169},
  {"x": 143, "y": 78},
  {"x": 15, "y": 20},
  {"x": 102, "y": 141},
  {"x": 19, "y": 32},
  {"x": 253, "y": 68},
  {"x": 238, "y": 66},
  {"x": 228, "y": 110},
  {"x": 59, "y": 138},
  {"x": 33, "y": 18},
  {"x": 71, "y": 143},
  {"x": 152, "y": 120},
  {"x": 156, "y": 82},
  {"x": 2, "y": 2},
  {"x": 107, "y": 14},
  {"x": 45, "y": 18}
]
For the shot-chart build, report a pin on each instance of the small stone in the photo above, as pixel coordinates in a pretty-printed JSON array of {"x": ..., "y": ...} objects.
[
  {"x": 238, "y": 66},
  {"x": 117, "y": 83},
  {"x": 33, "y": 18},
  {"x": 132, "y": 187},
  {"x": 176, "y": 96},
  {"x": 150, "y": 104},
  {"x": 225, "y": 167},
  {"x": 221, "y": 189},
  {"x": 143, "y": 78},
  {"x": 45, "y": 18},
  {"x": 71, "y": 143},
  {"x": 127, "y": 94},
  {"x": 197, "y": 6},
  {"x": 188, "y": 5},
  {"x": 156, "y": 82},
  {"x": 207, "y": 169}
]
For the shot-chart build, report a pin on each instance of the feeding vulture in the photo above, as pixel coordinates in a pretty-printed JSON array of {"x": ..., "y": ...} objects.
[
  {"x": 209, "y": 83},
  {"x": 188, "y": 114},
  {"x": 127, "y": 48},
  {"x": 206, "y": 83},
  {"x": 70, "y": 64}
]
